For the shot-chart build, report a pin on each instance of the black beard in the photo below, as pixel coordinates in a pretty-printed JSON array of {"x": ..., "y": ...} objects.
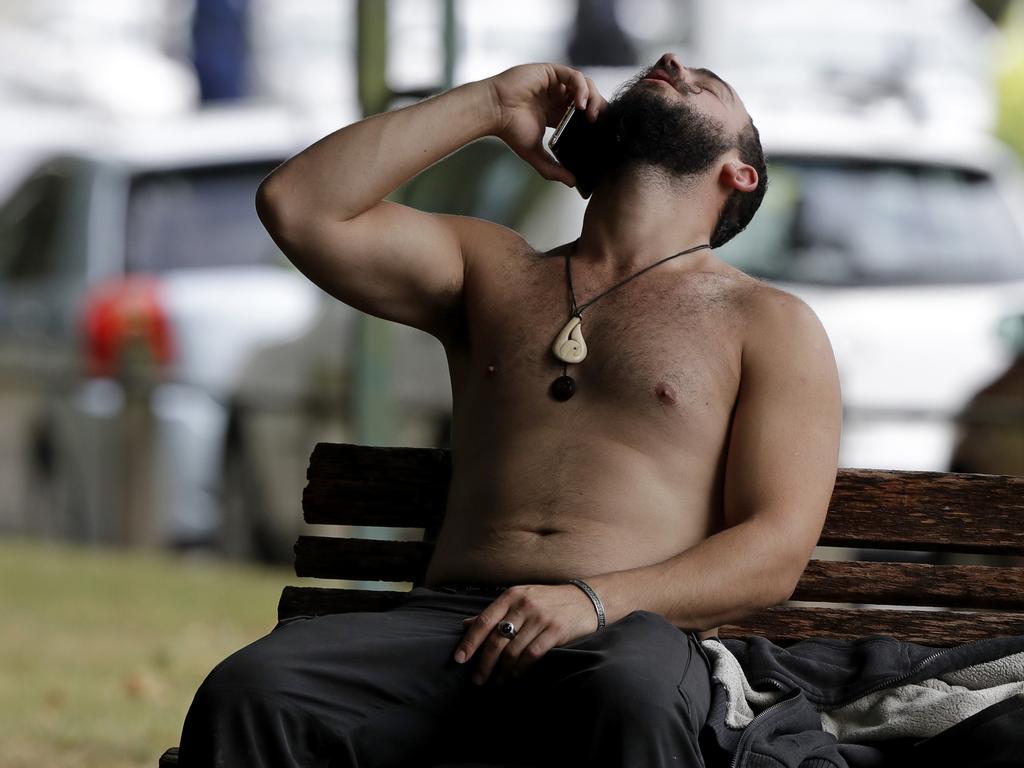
[{"x": 643, "y": 128}]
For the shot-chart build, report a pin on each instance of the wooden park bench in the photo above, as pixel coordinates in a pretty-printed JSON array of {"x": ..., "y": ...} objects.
[{"x": 924, "y": 520}]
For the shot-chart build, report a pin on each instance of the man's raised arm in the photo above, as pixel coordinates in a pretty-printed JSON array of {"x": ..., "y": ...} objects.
[{"x": 324, "y": 207}]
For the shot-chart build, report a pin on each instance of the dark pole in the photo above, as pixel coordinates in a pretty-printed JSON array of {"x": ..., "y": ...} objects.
[
  {"x": 371, "y": 401},
  {"x": 597, "y": 38}
]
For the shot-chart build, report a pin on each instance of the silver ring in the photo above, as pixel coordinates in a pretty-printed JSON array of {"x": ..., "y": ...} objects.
[{"x": 507, "y": 629}]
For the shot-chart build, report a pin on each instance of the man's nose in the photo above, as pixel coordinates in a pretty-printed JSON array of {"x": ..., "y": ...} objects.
[{"x": 671, "y": 64}]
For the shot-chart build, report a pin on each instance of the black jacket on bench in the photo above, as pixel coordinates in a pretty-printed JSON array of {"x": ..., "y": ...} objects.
[{"x": 822, "y": 674}]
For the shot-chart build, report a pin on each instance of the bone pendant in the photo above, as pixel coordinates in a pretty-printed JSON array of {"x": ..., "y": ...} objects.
[{"x": 569, "y": 346}]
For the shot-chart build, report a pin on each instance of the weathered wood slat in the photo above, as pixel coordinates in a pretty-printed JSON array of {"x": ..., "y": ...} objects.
[
  {"x": 389, "y": 504},
  {"x": 941, "y": 511},
  {"x": 394, "y": 487},
  {"x": 361, "y": 559},
  {"x": 782, "y": 624},
  {"x": 341, "y": 458},
  {"x": 316, "y": 601},
  {"x": 422, "y": 466},
  {"x": 918, "y": 584},
  {"x": 785, "y": 624},
  {"x": 870, "y": 508}
]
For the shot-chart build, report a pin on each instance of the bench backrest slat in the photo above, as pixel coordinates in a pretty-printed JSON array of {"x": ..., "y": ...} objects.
[
  {"x": 367, "y": 486},
  {"x": 786, "y": 624},
  {"x": 852, "y": 581},
  {"x": 783, "y": 624},
  {"x": 361, "y": 559},
  {"x": 919, "y": 584},
  {"x": 873, "y": 509},
  {"x": 941, "y": 511}
]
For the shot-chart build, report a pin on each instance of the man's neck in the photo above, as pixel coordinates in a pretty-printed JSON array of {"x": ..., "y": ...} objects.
[{"x": 642, "y": 218}]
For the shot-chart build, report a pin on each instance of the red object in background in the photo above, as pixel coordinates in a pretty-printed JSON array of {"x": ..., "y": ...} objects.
[{"x": 122, "y": 318}]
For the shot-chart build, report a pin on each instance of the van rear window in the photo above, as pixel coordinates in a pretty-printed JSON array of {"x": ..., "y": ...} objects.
[
  {"x": 872, "y": 223},
  {"x": 197, "y": 217}
]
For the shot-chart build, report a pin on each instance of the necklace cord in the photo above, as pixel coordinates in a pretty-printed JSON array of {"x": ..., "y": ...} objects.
[
  {"x": 577, "y": 311},
  {"x": 568, "y": 280}
]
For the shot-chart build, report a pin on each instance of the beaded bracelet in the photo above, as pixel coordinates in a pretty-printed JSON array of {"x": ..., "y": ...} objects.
[{"x": 598, "y": 605}]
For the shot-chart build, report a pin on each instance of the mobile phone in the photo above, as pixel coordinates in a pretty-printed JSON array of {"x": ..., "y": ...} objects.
[{"x": 575, "y": 143}]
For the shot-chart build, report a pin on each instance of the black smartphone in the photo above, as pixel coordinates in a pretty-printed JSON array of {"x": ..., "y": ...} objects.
[{"x": 576, "y": 144}]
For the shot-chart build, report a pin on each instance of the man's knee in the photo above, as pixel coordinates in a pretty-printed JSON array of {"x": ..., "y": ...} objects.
[
  {"x": 249, "y": 711},
  {"x": 243, "y": 675}
]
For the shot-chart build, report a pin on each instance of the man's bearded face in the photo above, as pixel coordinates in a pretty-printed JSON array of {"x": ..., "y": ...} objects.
[{"x": 646, "y": 125}]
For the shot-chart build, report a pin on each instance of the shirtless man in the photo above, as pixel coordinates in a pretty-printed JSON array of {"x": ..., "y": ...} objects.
[{"x": 686, "y": 480}]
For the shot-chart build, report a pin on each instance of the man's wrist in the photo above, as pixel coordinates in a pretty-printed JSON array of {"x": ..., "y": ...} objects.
[
  {"x": 598, "y": 605},
  {"x": 488, "y": 108}
]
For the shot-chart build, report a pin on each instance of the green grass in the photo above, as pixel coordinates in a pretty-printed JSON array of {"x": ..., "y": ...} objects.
[{"x": 101, "y": 651}]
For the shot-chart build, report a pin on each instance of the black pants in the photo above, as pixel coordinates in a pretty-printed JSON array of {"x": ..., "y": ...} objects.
[{"x": 383, "y": 689}]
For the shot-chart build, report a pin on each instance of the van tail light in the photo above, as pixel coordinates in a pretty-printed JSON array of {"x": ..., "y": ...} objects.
[{"x": 126, "y": 327}]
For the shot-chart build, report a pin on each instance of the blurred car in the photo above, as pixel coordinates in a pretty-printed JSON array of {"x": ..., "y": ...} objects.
[
  {"x": 136, "y": 286},
  {"x": 908, "y": 244}
]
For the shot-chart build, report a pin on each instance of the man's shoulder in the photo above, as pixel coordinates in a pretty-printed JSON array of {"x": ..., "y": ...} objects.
[
  {"x": 758, "y": 302},
  {"x": 489, "y": 240},
  {"x": 768, "y": 303},
  {"x": 779, "y": 322}
]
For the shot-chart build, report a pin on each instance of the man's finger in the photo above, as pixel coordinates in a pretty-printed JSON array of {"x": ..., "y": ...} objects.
[
  {"x": 595, "y": 103},
  {"x": 532, "y": 653},
  {"x": 509, "y": 659},
  {"x": 546, "y": 166},
  {"x": 576, "y": 84},
  {"x": 491, "y": 649},
  {"x": 479, "y": 628}
]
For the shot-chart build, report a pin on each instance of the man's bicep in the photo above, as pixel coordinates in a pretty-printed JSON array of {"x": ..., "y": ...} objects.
[
  {"x": 392, "y": 261},
  {"x": 784, "y": 444}
]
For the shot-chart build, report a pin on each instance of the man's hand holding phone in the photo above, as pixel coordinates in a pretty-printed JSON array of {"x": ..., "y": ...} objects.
[{"x": 532, "y": 97}]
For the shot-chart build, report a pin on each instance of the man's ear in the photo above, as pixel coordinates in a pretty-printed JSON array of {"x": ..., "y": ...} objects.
[{"x": 738, "y": 175}]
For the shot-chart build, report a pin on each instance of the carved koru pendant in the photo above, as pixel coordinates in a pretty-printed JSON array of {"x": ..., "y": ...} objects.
[{"x": 569, "y": 346}]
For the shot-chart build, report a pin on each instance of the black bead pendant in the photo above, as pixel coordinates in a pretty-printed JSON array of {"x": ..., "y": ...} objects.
[{"x": 563, "y": 388}]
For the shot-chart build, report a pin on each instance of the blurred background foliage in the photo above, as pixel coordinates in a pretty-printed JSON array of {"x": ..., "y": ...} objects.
[{"x": 1010, "y": 77}]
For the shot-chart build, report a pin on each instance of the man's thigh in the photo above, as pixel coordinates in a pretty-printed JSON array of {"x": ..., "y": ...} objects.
[{"x": 636, "y": 693}]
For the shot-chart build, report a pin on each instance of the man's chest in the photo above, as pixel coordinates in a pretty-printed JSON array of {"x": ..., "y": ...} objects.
[{"x": 660, "y": 344}]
